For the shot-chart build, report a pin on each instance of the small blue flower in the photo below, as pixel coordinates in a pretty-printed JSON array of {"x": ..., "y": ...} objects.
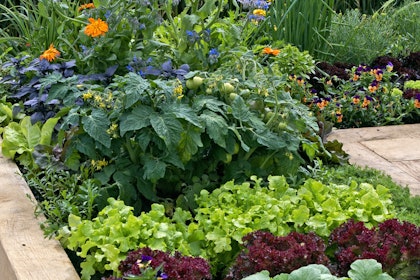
[
  {"x": 213, "y": 56},
  {"x": 192, "y": 36}
]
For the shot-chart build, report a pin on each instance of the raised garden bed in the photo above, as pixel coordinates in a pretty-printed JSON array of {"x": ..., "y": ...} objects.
[{"x": 24, "y": 252}]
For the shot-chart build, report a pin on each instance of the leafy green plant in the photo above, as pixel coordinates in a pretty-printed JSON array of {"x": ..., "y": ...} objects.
[
  {"x": 359, "y": 38},
  {"x": 366, "y": 269},
  {"x": 20, "y": 139},
  {"x": 357, "y": 102},
  {"x": 407, "y": 207},
  {"x": 60, "y": 193},
  {"x": 223, "y": 121},
  {"x": 104, "y": 241},
  {"x": 233, "y": 210}
]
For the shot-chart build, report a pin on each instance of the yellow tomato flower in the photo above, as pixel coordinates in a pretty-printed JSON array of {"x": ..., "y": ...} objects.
[
  {"x": 97, "y": 27},
  {"x": 50, "y": 54}
]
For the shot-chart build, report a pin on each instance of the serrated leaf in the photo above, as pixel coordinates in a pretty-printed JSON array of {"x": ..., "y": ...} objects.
[
  {"x": 138, "y": 118},
  {"x": 209, "y": 102},
  {"x": 167, "y": 128},
  {"x": 154, "y": 169},
  {"x": 216, "y": 127},
  {"x": 240, "y": 110},
  {"x": 183, "y": 111},
  {"x": 270, "y": 139},
  {"x": 189, "y": 144},
  {"x": 96, "y": 124},
  {"x": 134, "y": 88}
]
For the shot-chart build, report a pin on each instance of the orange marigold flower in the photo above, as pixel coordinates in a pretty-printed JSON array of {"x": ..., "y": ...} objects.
[
  {"x": 86, "y": 6},
  {"x": 50, "y": 54},
  {"x": 97, "y": 27},
  {"x": 268, "y": 50}
]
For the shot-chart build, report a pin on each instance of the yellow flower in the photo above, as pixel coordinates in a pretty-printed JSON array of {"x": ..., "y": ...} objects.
[
  {"x": 97, "y": 27},
  {"x": 50, "y": 54},
  {"x": 259, "y": 12},
  {"x": 87, "y": 95},
  {"x": 86, "y": 6}
]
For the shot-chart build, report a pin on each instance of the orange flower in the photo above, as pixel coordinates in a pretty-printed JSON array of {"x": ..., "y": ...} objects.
[
  {"x": 50, "y": 54},
  {"x": 97, "y": 27},
  {"x": 366, "y": 103},
  {"x": 417, "y": 103},
  {"x": 86, "y": 6},
  {"x": 268, "y": 50}
]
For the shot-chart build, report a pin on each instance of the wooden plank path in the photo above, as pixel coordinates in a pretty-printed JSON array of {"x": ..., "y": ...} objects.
[
  {"x": 391, "y": 149},
  {"x": 24, "y": 252}
]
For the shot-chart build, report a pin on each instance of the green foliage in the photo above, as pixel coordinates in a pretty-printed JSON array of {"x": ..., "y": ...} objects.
[
  {"x": 407, "y": 207},
  {"x": 233, "y": 210},
  {"x": 60, "y": 193},
  {"x": 359, "y": 101},
  {"x": 20, "y": 139},
  {"x": 412, "y": 85},
  {"x": 34, "y": 26},
  {"x": 366, "y": 269},
  {"x": 104, "y": 241},
  {"x": 303, "y": 23},
  {"x": 359, "y": 38},
  {"x": 156, "y": 135}
]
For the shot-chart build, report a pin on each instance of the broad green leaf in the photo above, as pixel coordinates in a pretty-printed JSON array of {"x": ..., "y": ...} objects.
[
  {"x": 309, "y": 272},
  {"x": 96, "y": 126},
  {"x": 216, "y": 127},
  {"x": 13, "y": 141},
  {"x": 270, "y": 139},
  {"x": 146, "y": 189},
  {"x": 136, "y": 119},
  {"x": 209, "y": 102},
  {"x": 183, "y": 111},
  {"x": 262, "y": 275},
  {"x": 368, "y": 269},
  {"x": 167, "y": 128},
  {"x": 134, "y": 89},
  {"x": 31, "y": 132},
  {"x": 47, "y": 131},
  {"x": 154, "y": 169},
  {"x": 240, "y": 110},
  {"x": 189, "y": 144}
]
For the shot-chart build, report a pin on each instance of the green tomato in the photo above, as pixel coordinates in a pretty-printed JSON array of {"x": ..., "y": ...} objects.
[
  {"x": 194, "y": 83},
  {"x": 232, "y": 96},
  {"x": 227, "y": 88},
  {"x": 228, "y": 158},
  {"x": 236, "y": 149},
  {"x": 282, "y": 125}
]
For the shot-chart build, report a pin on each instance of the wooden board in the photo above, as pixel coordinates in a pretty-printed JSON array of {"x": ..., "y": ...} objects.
[{"x": 24, "y": 252}]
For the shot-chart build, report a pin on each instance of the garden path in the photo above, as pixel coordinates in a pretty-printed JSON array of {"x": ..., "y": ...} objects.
[{"x": 392, "y": 149}]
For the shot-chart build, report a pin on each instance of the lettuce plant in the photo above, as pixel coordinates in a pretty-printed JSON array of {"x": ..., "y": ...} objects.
[
  {"x": 277, "y": 254},
  {"x": 396, "y": 245},
  {"x": 234, "y": 210},
  {"x": 366, "y": 269},
  {"x": 174, "y": 266}
]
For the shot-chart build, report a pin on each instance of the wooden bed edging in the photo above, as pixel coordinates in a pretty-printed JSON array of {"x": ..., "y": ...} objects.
[{"x": 24, "y": 252}]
